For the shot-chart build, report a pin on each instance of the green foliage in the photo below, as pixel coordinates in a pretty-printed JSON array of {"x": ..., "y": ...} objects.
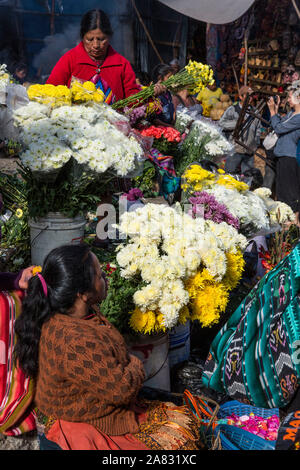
[
  {"x": 15, "y": 241},
  {"x": 70, "y": 193},
  {"x": 119, "y": 300},
  {"x": 190, "y": 152},
  {"x": 146, "y": 182}
]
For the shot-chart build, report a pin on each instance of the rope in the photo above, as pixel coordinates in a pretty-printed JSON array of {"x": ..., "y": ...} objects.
[{"x": 146, "y": 31}]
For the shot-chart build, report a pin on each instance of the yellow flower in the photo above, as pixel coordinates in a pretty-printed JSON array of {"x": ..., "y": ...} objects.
[
  {"x": 90, "y": 86},
  {"x": 19, "y": 213},
  {"x": 230, "y": 182},
  {"x": 234, "y": 271},
  {"x": 143, "y": 322},
  {"x": 184, "y": 315},
  {"x": 36, "y": 269},
  {"x": 208, "y": 298},
  {"x": 198, "y": 178}
]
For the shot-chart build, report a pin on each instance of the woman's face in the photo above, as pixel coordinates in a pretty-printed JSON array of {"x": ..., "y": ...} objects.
[
  {"x": 100, "y": 281},
  {"x": 96, "y": 43},
  {"x": 292, "y": 101},
  {"x": 165, "y": 77}
]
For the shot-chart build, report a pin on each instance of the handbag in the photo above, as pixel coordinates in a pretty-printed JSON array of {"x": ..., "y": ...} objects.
[{"x": 270, "y": 140}]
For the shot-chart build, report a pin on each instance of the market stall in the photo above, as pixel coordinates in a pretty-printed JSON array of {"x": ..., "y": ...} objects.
[{"x": 179, "y": 261}]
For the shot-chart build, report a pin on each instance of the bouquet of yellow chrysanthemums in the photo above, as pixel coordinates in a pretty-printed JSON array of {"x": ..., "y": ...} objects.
[
  {"x": 195, "y": 76},
  {"x": 173, "y": 268},
  {"x": 61, "y": 95}
]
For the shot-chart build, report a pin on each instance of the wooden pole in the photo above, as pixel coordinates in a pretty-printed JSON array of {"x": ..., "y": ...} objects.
[
  {"x": 296, "y": 8},
  {"x": 246, "y": 59},
  {"x": 146, "y": 31},
  {"x": 236, "y": 79},
  {"x": 52, "y": 20}
]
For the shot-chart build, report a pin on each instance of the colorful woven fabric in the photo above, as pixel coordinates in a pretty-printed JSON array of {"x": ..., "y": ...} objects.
[
  {"x": 101, "y": 83},
  {"x": 254, "y": 357},
  {"x": 163, "y": 426},
  {"x": 16, "y": 391},
  {"x": 169, "y": 427},
  {"x": 163, "y": 161}
]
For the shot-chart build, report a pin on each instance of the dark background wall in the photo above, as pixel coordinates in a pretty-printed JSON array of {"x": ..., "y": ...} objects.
[{"x": 38, "y": 32}]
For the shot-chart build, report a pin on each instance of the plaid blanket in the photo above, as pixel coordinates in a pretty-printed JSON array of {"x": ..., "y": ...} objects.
[
  {"x": 16, "y": 390},
  {"x": 255, "y": 357}
]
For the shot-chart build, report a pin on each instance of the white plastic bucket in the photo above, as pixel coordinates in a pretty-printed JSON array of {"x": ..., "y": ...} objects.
[
  {"x": 52, "y": 231},
  {"x": 179, "y": 344},
  {"x": 153, "y": 351}
]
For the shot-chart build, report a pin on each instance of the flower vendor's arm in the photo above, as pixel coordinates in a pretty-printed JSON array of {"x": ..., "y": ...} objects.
[
  {"x": 62, "y": 72},
  {"x": 124, "y": 378},
  {"x": 283, "y": 127},
  {"x": 229, "y": 119},
  {"x": 10, "y": 281},
  {"x": 130, "y": 86}
]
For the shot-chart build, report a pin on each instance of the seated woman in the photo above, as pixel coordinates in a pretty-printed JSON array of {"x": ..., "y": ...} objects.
[
  {"x": 168, "y": 116},
  {"x": 86, "y": 381},
  {"x": 184, "y": 101}
]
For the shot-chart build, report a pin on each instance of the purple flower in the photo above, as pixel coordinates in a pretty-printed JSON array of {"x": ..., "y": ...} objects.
[
  {"x": 213, "y": 210},
  {"x": 133, "y": 194}
]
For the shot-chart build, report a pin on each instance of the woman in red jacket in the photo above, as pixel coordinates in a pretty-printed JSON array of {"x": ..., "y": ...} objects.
[{"x": 93, "y": 59}]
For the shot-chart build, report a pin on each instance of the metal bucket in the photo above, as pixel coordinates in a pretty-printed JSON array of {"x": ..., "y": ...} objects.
[
  {"x": 52, "y": 231},
  {"x": 153, "y": 351},
  {"x": 179, "y": 340}
]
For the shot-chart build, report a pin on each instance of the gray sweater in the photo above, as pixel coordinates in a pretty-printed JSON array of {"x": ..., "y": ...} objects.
[
  {"x": 288, "y": 130},
  {"x": 251, "y": 137}
]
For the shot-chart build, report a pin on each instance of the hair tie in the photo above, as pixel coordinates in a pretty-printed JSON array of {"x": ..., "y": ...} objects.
[{"x": 45, "y": 289}]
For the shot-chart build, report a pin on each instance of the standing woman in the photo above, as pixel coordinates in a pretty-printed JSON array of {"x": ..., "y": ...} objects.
[
  {"x": 93, "y": 59},
  {"x": 285, "y": 151}
]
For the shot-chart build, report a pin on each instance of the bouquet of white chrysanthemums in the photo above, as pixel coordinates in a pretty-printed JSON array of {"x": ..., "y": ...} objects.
[
  {"x": 173, "y": 254},
  {"x": 204, "y": 140},
  {"x": 86, "y": 133}
]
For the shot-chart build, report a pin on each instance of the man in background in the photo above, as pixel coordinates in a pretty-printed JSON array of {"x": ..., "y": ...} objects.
[{"x": 242, "y": 158}]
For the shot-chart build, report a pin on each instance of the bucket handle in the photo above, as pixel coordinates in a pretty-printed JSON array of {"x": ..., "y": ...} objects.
[
  {"x": 47, "y": 226},
  {"x": 160, "y": 368}
]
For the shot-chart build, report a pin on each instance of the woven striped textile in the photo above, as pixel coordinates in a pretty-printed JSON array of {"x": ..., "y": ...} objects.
[{"x": 16, "y": 390}]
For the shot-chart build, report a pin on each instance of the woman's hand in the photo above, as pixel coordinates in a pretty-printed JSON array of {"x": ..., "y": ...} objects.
[
  {"x": 273, "y": 107},
  {"x": 159, "y": 89},
  {"x": 26, "y": 275}
]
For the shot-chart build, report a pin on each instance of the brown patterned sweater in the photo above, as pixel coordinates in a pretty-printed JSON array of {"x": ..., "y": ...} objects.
[{"x": 87, "y": 375}]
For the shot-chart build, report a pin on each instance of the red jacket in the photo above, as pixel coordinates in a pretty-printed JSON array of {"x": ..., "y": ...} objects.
[{"x": 115, "y": 70}]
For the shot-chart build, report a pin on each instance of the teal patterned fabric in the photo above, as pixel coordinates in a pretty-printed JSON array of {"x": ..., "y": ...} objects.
[{"x": 254, "y": 357}]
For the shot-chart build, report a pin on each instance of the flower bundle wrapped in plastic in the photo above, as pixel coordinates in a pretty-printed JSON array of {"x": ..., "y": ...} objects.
[
  {"x": 203, "y": 140},
  {"x": 255, "y": 210},
  {"x": 166, "y": 139},
  {"x": 61, "y": 95},
  {"x": 83, "y": 92},
  {"x": 194, "y": 76},
  {"x": 50, "y": 95},
  {"x": 51, "y": 136},
  {"x": 279, "y": 211},
  {"x": 158, "y": 132},
  {"x": 207, "y": 206},
  {"x": 4, "y": 77},
  {"x": 166, "y": 249}
]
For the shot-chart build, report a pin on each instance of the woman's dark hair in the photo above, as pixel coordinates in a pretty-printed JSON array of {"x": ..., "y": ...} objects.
[
  {"x": 95, "y": 19},
  {"x": 160, "y": 71},
  {"x": 67, "y": 271}
]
